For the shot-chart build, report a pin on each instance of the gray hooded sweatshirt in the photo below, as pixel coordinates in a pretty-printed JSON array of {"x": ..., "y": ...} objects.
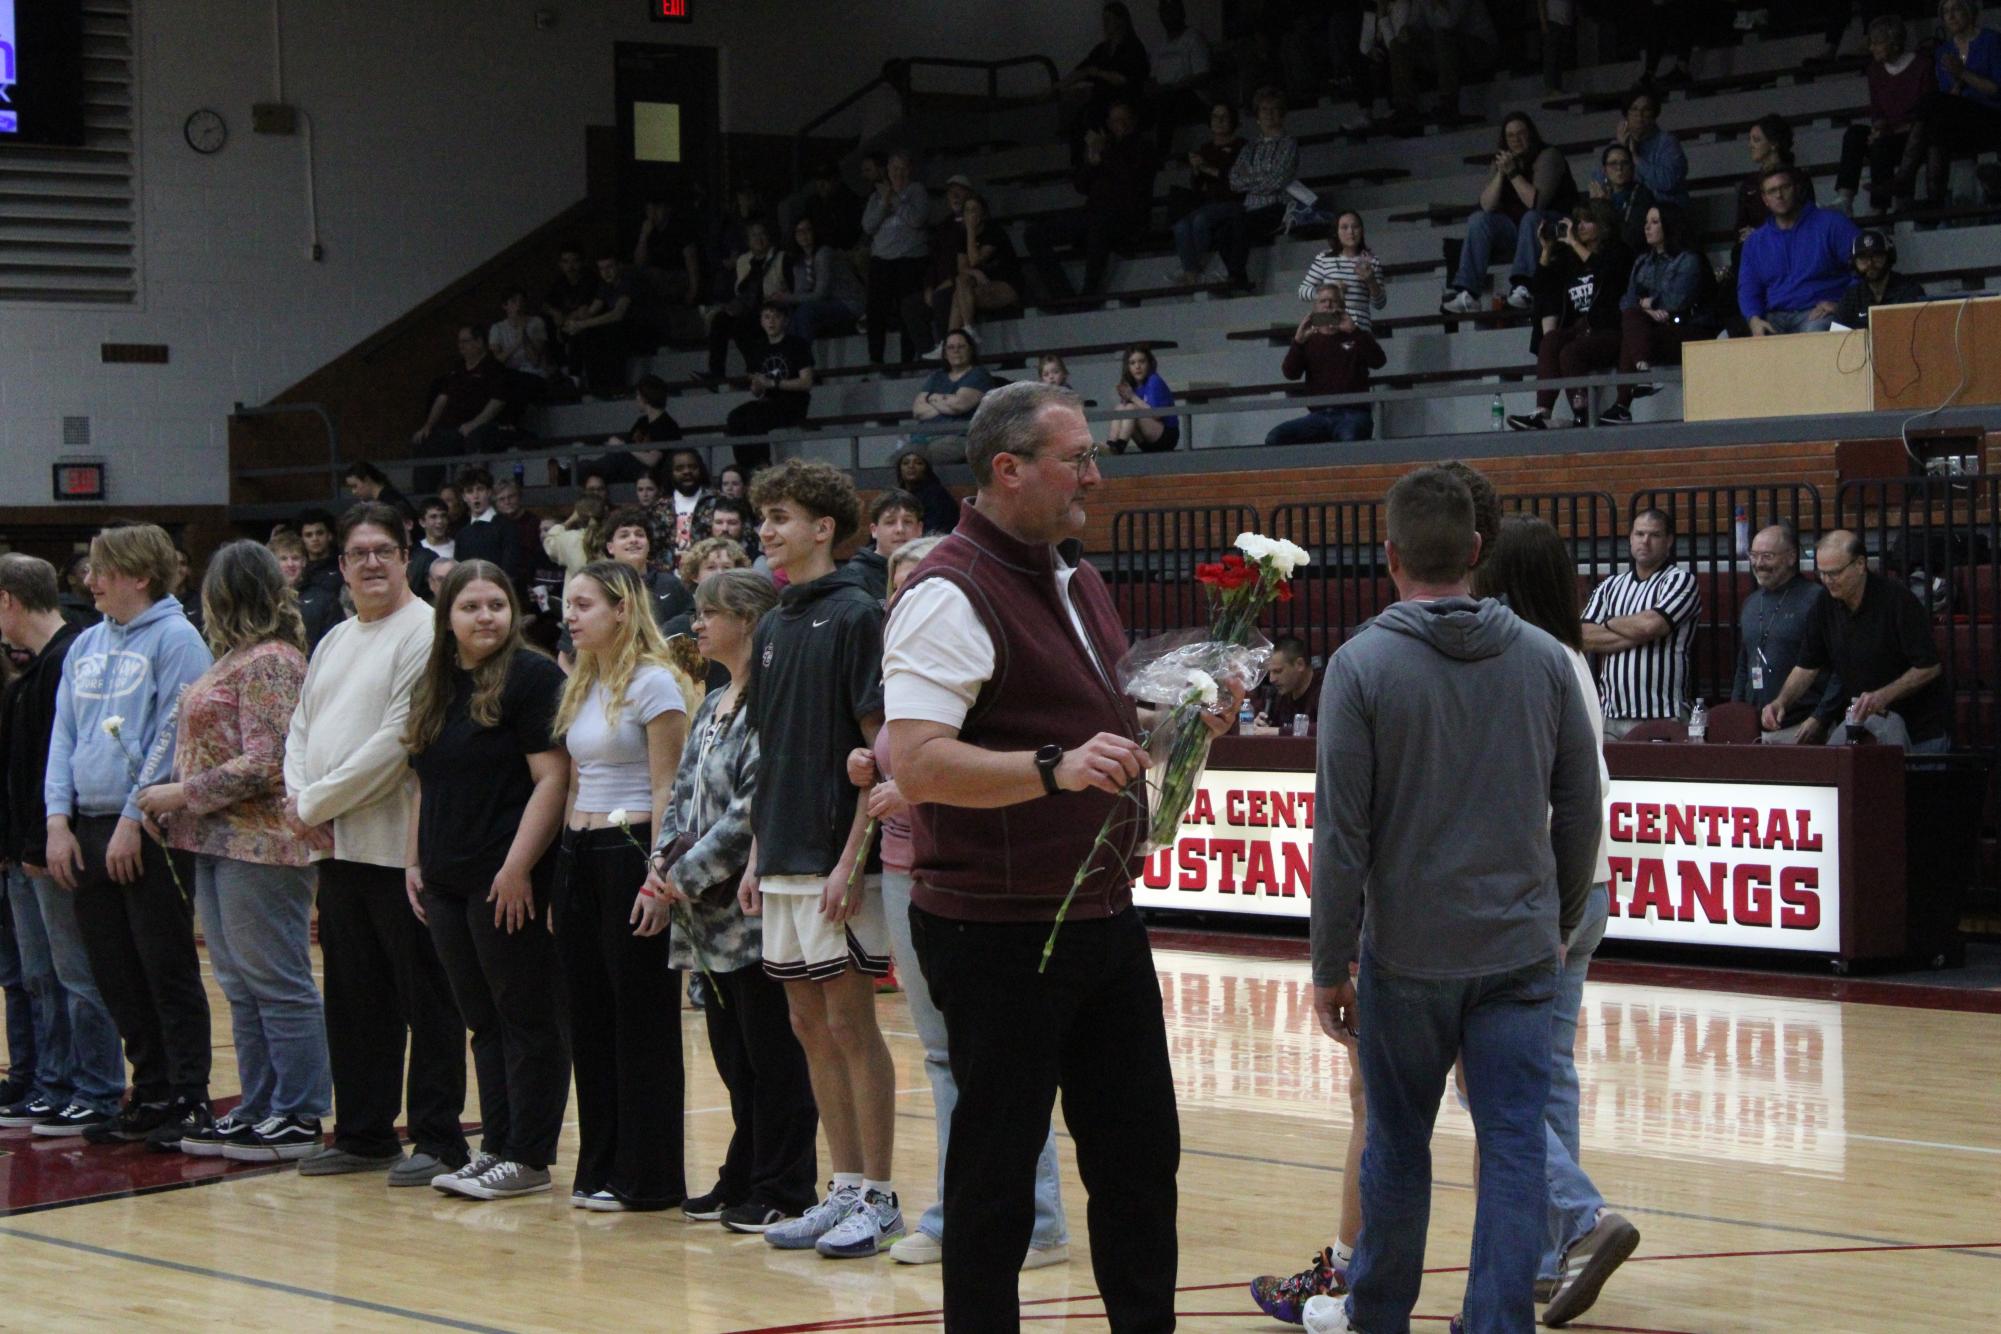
[{"x": 1458, "y": 786}]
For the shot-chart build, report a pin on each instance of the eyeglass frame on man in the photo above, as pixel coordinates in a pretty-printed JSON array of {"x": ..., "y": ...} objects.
[{"x": 384, "y": 555}]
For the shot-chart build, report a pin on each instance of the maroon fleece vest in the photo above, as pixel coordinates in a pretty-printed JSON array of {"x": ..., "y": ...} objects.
[{"x": 1015, "y": 863}]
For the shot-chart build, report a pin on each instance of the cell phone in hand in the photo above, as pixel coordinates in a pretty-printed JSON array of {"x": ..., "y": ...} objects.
[{"x": 1323, "y": 319}]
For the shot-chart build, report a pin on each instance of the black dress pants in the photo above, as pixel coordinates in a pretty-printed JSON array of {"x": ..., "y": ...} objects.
[
  {"x": 141, "y": 942},
  {"x": 1091, "y": 1026},
  {"x": 384, "y": 985},
  {"x": 509, "y": 992},
  {"x": 771, "y": 1160},
  {"x": 625, "y": 1024}
]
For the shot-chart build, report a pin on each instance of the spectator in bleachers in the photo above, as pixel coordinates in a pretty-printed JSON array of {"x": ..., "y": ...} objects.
[
  {"x": 958, "y": 189},
  {"x": 579, "y": 539},
  {"x": 1663, "y": 306},
  {"x": 1898, "y": 81},
  {"x": 570, "y": 295},
  {"x": 1208, "y": 195},
  {"x": 980, "y": 273},
  {"x": 667, "y": 257},
  {"x": 1770, "y": 141},
  {"x": 1558, "y": 22},
  {"x": 1052, "y": 369},
  {"x": 731, "y": 519},
  {"x": 1876, "y": 283},
  {"x": 1528, "y": 182},
  {"x": 1872, "y": 630},
  {"x": 593, "y": 484},
  {"x": 486, "y": 535},
  {"x": 730, "y": 237},
  {"x": 948, "y": 399},
  {"x": 915, "y": 475},
  {"x": 1962, "y": 115},
  {"x": 1627, "y": 194},
  {"x": 1585, "y": 258},
  {"x": 1116, "y": 180},
  {"x": 1180, "y": 75},
  {"x": 895, "y": 219},
  {"x": 653, "y": 425},
  {"x": 1669, "y": 31},
  {"x": 1335, "y": 355},
  {"x": 1140, "y": 386},
  {"x": 527, "y": 527},
  {"x": 467, "y": 409},
  {"x": 648, "y": 499},
  {"x": 1657, "y": 156},
  {"x": 1258, "y": 179},
  {"x": 1770, "y": 626},
  {"x": 1350, "y": 265},
  {"x": 435, "y": 544},
  {"x": 1445, "y": 38},
  {"x": 365, "y": 481},
  {"x": 781, "y": 386},
  {"x": 453, "y": 502},
  {"x": 519, "y": 340},
  {"x": 824, "y": 295},
  {"x": 690, "y": 504},
  {"x": 1115, "y": 71},
  {"x": 1639, "y": 624},
  {"x": 759, "y": 276},
  {"x": 595, "y": 341},
  {"x": 733, "y": 482},
  {"x": 834, "y": 210},
  {"x": 1797, "y": 265}
]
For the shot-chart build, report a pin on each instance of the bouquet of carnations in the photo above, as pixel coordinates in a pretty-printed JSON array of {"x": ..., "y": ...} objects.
[{"x": 1179, "y": 675}]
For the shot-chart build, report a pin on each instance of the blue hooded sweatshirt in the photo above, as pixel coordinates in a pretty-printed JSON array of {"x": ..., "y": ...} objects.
[
  {"x": 133, "y": 672},
  {"x": 1795, "y": 268}
]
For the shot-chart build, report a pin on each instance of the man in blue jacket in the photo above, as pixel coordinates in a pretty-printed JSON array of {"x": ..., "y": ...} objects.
[{"x": 1795, "y": 267}]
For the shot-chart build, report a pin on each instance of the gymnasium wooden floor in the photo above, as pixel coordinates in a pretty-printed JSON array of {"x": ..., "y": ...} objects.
[{"x": 1799, "y": 1154}]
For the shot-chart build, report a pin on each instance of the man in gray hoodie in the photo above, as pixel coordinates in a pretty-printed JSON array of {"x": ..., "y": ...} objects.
[{"x": 1442, "y": 697}]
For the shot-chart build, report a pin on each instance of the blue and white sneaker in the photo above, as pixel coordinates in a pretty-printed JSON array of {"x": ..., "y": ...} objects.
[
  {"x": 799, "y": 1234},
  {"x": 868, "y": 1229}
]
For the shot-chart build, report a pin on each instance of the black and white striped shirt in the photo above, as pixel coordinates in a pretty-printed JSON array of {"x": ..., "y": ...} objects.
[{"x": 1650, "y": 681}]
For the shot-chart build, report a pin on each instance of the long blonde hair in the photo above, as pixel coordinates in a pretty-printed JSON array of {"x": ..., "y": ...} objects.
[{"x": 637, "y": 643}]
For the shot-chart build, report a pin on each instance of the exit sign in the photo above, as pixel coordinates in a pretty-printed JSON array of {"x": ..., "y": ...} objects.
[
  {"x": 79, "y": 481},
  {"x": 668, "y": 11}
]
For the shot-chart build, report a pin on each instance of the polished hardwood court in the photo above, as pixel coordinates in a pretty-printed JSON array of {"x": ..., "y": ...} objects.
[{"x": 1794, "y": 1162}]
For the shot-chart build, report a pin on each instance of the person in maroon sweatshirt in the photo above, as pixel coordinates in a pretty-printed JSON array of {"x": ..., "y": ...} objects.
[
  {"x": 1013, "y": 743},
  {"x": 1335, "y": 356}
]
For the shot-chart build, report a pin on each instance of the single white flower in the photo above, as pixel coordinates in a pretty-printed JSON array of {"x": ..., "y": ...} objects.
[
  {"x": 1201, "y": 688},
  {"x": 619, "y": 818},
  {"x": 1256, "y": 546},
  {"x": 1287, "y": 557},
  {"x": 114, "y": 725}
]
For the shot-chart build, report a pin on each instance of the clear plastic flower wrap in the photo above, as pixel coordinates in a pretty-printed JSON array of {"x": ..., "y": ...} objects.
[{"x": 1178, "y": 673}]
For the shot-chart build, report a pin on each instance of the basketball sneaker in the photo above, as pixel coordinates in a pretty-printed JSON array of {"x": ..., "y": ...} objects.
[
  {"x": 1285, "y": 1298},
  {"x": 869, "y": 1227},
  {"x": 1588, "y": 1264},
  {"x": 801, "y": 1233}
]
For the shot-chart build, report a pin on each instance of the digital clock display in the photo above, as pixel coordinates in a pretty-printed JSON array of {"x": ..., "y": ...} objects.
[{"x": 79, "y": 481}]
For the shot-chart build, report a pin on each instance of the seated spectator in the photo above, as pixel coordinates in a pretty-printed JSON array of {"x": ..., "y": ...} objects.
[
  {"x": 1663, "y": 307},
  {"x": 1140, "y": 386},
  {"x": 571, "y": 294},
  {"x": 1639, "y": 624},
  {"x": 1258, "y": 180},
  {"x": 1627, "y": 194},
  {"x": 916, "y": 476},
  {"x": 895, "y": 220},
  {"x": 434, "y": 543},
  {"x": 1052, "y": 369},
  {"x": 1872, "y": 630},
  {"x": 687, "y": 510},
  {"x": 1771, "y": 625},
  {"x": 1797, "y": 265},
  {"x": 894, "y": 519},
  {"x": 733, "y": 482},
  {"x": 1334, "y": 354},
  {"x": 729, "y": 237},
  {"x": 958, "y": 189},
  {"x": 732, "y": 519},
  {"x": 1898, "y": 80},
  {"x": 1876, "y": 284},
  {"x": 1962, "y": 115},
  {"x": 1770, "y": 142},
  {"x": 519, "y": 340},
  {"x": 781, "y": 386},
  {"x": 1180, "y": 75},
  {"x": 834, "y": 210},
  {"x": 1292, "y": 690},
  {"x": 1443, "y": 38},
  {"x": 947, "y": 401},
  {"x": 667, "y": 256},
  {"x": 486, "y": 535},
  {"x": 365, "y": 481},
  {"x": 1528, "y": 182},
  {"x": 596, "y": 341},
  {"x": 649, "y": 499},
  {"x": 759, "y": 277},
  {"x": 824, "y": 295},
  {"x": 1196, "y": 206},
  {"x": 1116, "y": 180},
  {"x": 985, "y": 274},
  {"x": 468, "y": 408},
  {"x": 593, "y": 484},
  {"x": 1115, "y": 71},
  {"x": 652, "y": 428},
  {"x": 1657, "y": 157},
  {"x": 1350, "y": 265},
  {"x": 1669, "y": 30},
  {"x": 1584, "y": 254}
]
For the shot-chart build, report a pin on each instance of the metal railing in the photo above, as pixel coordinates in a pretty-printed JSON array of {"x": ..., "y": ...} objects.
[
  {"x": 895, "y": 76},
  {"x": 1588, "y": 520},
  {"x": 1154, "y": 555},
  {"x": 1346, "y": 584}
]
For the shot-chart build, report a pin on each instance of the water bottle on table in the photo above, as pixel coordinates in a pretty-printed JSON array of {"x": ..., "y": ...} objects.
[{"x": 1698, "y": 723}]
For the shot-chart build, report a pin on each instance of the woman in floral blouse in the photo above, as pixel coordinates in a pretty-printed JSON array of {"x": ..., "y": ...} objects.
[
  {"x": 768, "y": 1173},
  {"x": 253, "y": 882}
]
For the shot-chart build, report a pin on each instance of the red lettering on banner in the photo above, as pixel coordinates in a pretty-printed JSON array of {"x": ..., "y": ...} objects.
[
  {"x": 1681, "y": 825},
  {"x": 1648, "y": 831},
  {"x": 1306, "y": 804},
  {"x": 1799, "y": 904},
  {"x": 1203, "y": 811},
  {"x": 1282, "y": 811},
  {"x": 1695, "y": 888},
  {"x": 1751, "y": 895},
  {"x": 1621, "y": 872},
  {"x": 1713, "y": 816},
  {"x": 1650, "y": 890},
  {"x": 1778, "y": 829},
  {"x": 1743, "y": 827},
  {"x": 1259, "y": 875},
  {"x": 1256, "y": 817},
  {"x": 1807, "y": 840},
  {"x": 1194, "y": 866},
  {"x": 1159, "y": 872},
  {"x": 1229, "y": 851},
  {"x": 1233, "y": 807},
  {"x": 1621, "y": 821},
  {"x": 1297, "y": 859}
]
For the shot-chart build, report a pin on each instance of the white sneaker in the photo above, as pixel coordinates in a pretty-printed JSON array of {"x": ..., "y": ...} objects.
[
  {"x": 869, "y": 1227},
  {"x": 1041, "y": 1257},
  {"x": 1520, "y": 298},
  {"x": 919, "y": 1248},
  {"x": 937, "y": 352},
  {"x": 444, "y": 1181},
  {"x": 799, "y": 1234},
  {"x": 1459, "y": 303},
  {"x": 1325, "y": 1315}
]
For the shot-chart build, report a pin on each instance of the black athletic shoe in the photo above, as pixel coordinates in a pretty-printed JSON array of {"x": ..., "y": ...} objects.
[
  {"x": 27, "y": 1112},
  {"x": 188, "y": 1118},
  {"x": 134, "y": 1122},
  {"x": 277, "y": 1139},
  {"x": 752, "y": 1217},
  {"x": 74, "y": 1119},
  {"x": 210, "y": 1140},
  {"x": 706, "y": 1208},
  {"x": 15, "y": 1088}
]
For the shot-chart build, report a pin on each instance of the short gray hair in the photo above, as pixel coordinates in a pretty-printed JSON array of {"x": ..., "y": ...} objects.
[
  {"x": 1009, "y": 421},
  {"x": 30, "y": 580}
]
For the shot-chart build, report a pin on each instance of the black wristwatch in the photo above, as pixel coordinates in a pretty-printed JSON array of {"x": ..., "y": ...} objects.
[{"x": 1046, "y": 761}]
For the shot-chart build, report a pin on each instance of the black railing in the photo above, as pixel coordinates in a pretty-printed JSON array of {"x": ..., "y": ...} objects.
[
  {"x": 1154, "y": 555},
  {"x": 895, "y": 76},
  {"x": 1346, "y": 584},
  {"x": 1588, "y": 520}
]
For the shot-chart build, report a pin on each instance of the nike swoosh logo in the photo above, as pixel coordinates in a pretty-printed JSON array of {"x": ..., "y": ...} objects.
[{"x": 818, "y": 624}]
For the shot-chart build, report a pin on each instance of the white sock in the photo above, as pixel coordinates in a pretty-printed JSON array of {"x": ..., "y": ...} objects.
[
  {"x": 882, "y": 1188},
  {"x": 1343, "y": 1252},
  {"x": 847, "y": 1179}
]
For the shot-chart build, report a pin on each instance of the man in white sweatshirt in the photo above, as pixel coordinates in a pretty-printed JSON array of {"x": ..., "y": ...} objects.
[{"x": 345, "y": 764}]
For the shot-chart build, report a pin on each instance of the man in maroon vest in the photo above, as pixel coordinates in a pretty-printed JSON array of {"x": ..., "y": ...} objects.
[{"x": 1012, "y": 741}]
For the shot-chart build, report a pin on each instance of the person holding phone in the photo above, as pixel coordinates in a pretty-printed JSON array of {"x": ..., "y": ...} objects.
[{"x": 1335, "y": 355}]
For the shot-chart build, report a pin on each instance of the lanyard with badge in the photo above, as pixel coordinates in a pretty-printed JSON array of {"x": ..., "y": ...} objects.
[{"x": 1765, "y": 632}]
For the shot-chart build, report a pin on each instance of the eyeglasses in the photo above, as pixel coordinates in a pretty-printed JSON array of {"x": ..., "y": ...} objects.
[
  {"x": 1083, "y": 462},
  {"x": 1838, "y": 571},
  {"x": 371, "y": 555}
]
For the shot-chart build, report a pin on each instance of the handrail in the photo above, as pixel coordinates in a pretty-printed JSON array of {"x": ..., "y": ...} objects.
[
  {"x": 326, "y": 419},
  {"x": 895, "y": 75}
]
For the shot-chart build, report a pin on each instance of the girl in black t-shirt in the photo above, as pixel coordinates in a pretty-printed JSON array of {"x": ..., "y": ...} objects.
[{"x": 487, "y": 805}]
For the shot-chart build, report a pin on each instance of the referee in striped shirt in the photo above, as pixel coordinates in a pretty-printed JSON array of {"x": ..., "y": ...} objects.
[{"x": 1641, "y": 623}]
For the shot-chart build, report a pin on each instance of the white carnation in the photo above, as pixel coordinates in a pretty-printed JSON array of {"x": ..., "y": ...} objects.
[
  {"x": 619, "y": 818},
  {"x": 1286, "y": 557},
  {"x": 1202, "y": 688},
  {"x": 114, "y": 725},
  {"x": 1256, "y": 546}
]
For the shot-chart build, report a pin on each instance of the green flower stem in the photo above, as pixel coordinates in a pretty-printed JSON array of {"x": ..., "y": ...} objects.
[
  {"x": 1083, "y": 873},
  {"x": 160, "y": 839},
  {"x": 861, "y": 856},
  {"x": 678, "y": 913},
  {"x": 1188, "y": 751}
]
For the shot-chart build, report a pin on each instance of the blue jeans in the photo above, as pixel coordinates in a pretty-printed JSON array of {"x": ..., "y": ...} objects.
[
  {"x": 1322, "y": 425},
  {"x": 1195, "y": 234},
  {"x": 823, "y": 319},
  {"x": 1412, "y": 1030},
  {"x": 257, "y": 921},
  {"x": 1051, "y": 1228},
  {"x": 89, "y": 1065},
  {"x": 26, "y": 1024},
  {"x": 1490, "y": 234},
  {"x": 1798, "y": 321},
  {"x": 1573, "y": 1201}
]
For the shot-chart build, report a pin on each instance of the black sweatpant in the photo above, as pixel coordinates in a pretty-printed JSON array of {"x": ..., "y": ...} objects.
[
  {"x": 889, "y": 282},
  {"x": 625, "y": 1023},
  {"x": 771, "y": 1160},
  {"x": 384, "y": 984},
  {"x": 743, "y": 332},
  {"x": 510, "y": 994},
  {"x": 141, "y": 942},
  {"x": 1091, "y": 1026}
]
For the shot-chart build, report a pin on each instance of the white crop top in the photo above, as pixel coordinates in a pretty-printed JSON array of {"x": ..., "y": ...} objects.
[{"x": 612, "y": 772}]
